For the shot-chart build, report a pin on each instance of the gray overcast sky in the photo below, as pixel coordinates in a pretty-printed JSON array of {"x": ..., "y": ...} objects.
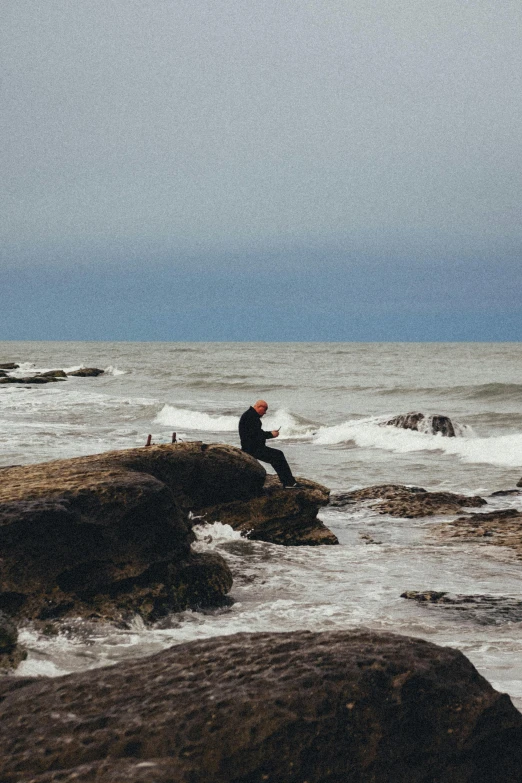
[{"x": 375, "y": 140}]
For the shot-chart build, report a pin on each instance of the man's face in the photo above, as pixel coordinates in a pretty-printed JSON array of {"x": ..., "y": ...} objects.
[{"x": 261, "y": 408}]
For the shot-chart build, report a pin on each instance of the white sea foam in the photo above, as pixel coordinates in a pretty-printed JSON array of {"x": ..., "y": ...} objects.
[
  {"x": 503, "y": 450},
  {"x": 291, "y": 426},
  {"x": 111, "y": 370},
  {"x": 213, "y": 534},
  {"x": 184, "y": 418}
]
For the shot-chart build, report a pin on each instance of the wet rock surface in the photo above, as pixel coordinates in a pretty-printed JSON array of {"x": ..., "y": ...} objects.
[
  {"x": 9, "y": 366},
  {"x": 483, "y": 609},
  {"x": 54, "y": 374},
  {"x": 278, "y": 515},
  {"x": 11, "y": 654},
  {"x": 87, "y": 372},
  {"x": 336, "y": 706},
  {"x": 421, "y": 423},
  {"x": 498, "y": 528},
  {"x": 109, "y": 535},
  {"x": 408, "y": 502},
  {"x": 30, "y": 379}
]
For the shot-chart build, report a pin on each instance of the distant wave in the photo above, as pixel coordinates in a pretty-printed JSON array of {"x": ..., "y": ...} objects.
[
  {"x": 484, "y": 391},
  {"x": 505, "y": 450},
  {"x": 110, "y": 370},
  {"x": 232, "y": 384}
]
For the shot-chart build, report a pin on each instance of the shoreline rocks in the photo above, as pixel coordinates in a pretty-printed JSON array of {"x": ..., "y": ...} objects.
[
  {"x": 292, "y": 707},
  {"x": 86, "y": 372},
  {"x": 497, "y": 528},
  {"x": 108, "y": 535},
  {"x": 483, "y": 609},
  {"x": 421, "y": 423},
  {"x": 409, "y": 502},
  {"x": 46, "y": 377},
  {"x": 278, "y": 515}
]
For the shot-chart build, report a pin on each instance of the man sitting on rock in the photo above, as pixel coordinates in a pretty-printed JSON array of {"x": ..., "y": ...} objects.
[{"x": 253, "y": 442}]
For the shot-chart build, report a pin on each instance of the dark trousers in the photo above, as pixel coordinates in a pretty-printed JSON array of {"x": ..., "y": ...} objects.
[{"x": 277, "y": 459}]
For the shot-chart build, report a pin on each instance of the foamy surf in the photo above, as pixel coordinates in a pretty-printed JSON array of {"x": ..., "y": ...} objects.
[
  {"x": 186, "y": 419},
  {"x": 291, "y": 426},
  {"x": 502, "y": 450}
]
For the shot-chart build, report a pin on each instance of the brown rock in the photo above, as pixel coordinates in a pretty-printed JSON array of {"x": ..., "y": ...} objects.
[
  {"x": 103, "y": 536},
  {"x": 278, "y": 515},
  {"x": 483, "y": 609},
  {"x": 499, "y": 528},
  {"x": 54, "y": 374},
  {"x": 9, "y": 366},
  {"x": 282, "y": 708},
  {"x": 30, "y": 379},
  {"x": 408, "y": 502},
  {"x": 420, "y": 422},
  {"x": 87, "y": 372},
  {"x": 108, "y": 535}
]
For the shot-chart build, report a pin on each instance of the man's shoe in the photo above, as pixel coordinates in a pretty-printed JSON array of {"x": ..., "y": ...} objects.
[{"x": 295, "y": 485}]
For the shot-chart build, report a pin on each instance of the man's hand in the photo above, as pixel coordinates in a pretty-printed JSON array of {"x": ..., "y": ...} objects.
[{"x": 275, "y": 433}]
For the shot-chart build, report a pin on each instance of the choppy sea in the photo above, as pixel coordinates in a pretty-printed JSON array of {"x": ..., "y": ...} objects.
[{"x": 329, "y": 399}]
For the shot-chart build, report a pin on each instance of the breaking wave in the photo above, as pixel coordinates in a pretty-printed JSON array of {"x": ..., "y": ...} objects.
[
  {"x": 291, "y": 426},
  {"x": 504, "y": 450},
  {"x": 185, "y": 419}
]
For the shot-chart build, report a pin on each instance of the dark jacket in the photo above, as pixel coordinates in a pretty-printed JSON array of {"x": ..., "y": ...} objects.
[{"x": 252, "y": 436}]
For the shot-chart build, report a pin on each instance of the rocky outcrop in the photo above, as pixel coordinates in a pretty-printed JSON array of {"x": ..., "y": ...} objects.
[
  {"x": 109, "y": 535},
  {"x": 408, "y": 502},
  {"x": 499, "y": 528},
  {"x": 9, "y": 366},
  {"x": 278, "y": 515},
  {"x": 54, "y": 374},
  {"x": 87, "y": 372},
  {"x": 338, "y": 706},
  {"x": 483, "y": 609},
  {"x": 519, "y": 483},
  {"x": 418, "y": 421},
  {"x": 30, "y": 379},
  {"x": 11, "y": 654}
]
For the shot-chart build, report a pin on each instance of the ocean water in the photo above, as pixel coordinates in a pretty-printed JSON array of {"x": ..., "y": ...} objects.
[{"x": 330, "y": 400}]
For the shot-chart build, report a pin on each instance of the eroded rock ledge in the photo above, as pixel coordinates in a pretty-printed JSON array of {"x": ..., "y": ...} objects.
[
  {"x": 109, "y": 535},
  {"x": 278, "y": 515},
  {"x": 292, "y": 707},
  {"x": 408, "y": 502},
  {"x": 498, "y": 528}
]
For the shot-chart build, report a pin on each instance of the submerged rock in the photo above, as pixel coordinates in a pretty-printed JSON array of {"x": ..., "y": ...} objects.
[
  {"x": 278, "y": 515},
  {"x": 498, "y": 528},
  {"x": 483, "y": 609},
  {"x": 418, "y": 421},
  {"x": 30, "y": 379},
  {"x": 338, "y": 706},
  {"x": 87, "y": 372},
  {"x": 54, "y": 374},
  {"x": 409, "y": 502}
]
